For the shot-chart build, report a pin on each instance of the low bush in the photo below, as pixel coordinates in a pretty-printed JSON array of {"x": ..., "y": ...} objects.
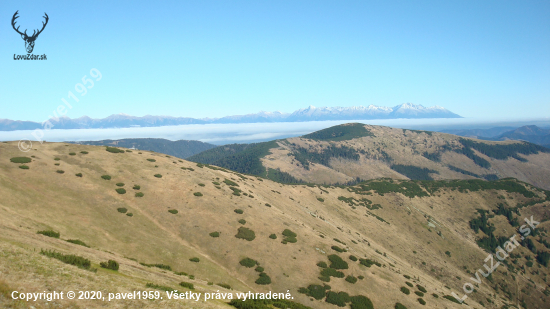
[
  {"x": 195, "y": 260},
  {"x": 336, "y": 262},
  {"x": 139, "y": 194},
  {"x": 369, "y": 262},
  {"x": 49, "y": 233},
  {"x": 331, "y": 272},
  {"x": 78, "y": 242},
  {"x": 187, "y": 285},
  {"x": 136, "y": 187},
  {"x": 399, "y": 306},
  {"x": 419, "y": 293},
  {"x": 158, "y": 287},
  {"x": 201, "y": 184},
  {"x": 20, "y": 160},
  {"x": 248, "y": 262},
  {"x": 111, "y": 264},
  {"x": 57, "y": 159},
  {"x": 259, "y": 269},
  {"x": 120, "y": 184},
  {"x": 322, "y": 264},
  {"x": 23, "y": 167},
  {"x": 114, "y": 150},
  {"x": 78, "y": 175},
  {"x": 72, "y": 153},
  {"x": 239, "y": 211},
  {"x": 106, "y": 177},
  {"x": 230, "y": 183},
  {"x": 161, "y": 266},
  {"x": 338, "y": 249},
  {"x": 353, "y": 258},
  {"x": 197, "y": 194},
  {"x": 313, "y": 290},
  {"x": 320, "y": 199},
  {"x": 245, "y": 233},
  {"x": 84, "y": 152},
  {"x": 158, "y": 175},
  {"x": 122, "y": 210},
  {"x": 409, "y": 284},
  {"x": 130, "y": 214},
  {"x": 290, "y": 237},
  {"x": 151, "y": 160},
  {"x": 421, "y": 301},
  {"x": 421, "y": 288},
  {"x": 60, "y": 171},
  {"x": 242, "y": 221},
  {"x": 173, "y": 211},
  {"x": 214, "y": 234},
  {"x": 339, "y": 299},
  {"x": 405, "y": 290},
  {"x": 268, "y": 205},
  {"x": 449, "y": 297},
  {"x": 216, "y": 183},
  {"x": 351, "y": 279},
  {"x": 224, "y": 285},
  {"x": 70, "y": 259},
  {"x": 435, "y": 295},
  {"x": 120, "y": 191},
  {"x": 273, "y": 236},
  {"x": 264, "y": 279}
]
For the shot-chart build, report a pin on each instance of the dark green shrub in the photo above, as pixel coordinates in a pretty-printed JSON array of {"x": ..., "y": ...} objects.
[
  {"x": 230, "y": 183},
  {"x": 49, "y": 233},
  {"x": 84, "y": 152},
  {"x": 197, "y": 194},
  {"x": 336, "y": 262},
  {"x": 331, "y": 272},
  {"x": 158, "y": 287},
  {"x": 78, "y": 175},
  {"x": 210, "y": 283},
  {"x": 120, "y": 184},
  {"x": 214, "y": 234},
  {"x": 353, "y": 258},
  {"x": 409, "y": 284},
  {"x": 245, "y": 233},
  {"x": 70, "y": 259},
  {"x": 339, "y": 299},
  {"x": 21, "y": 160},
  {"x": 320, "y": 199},
  {"x": 435, "y": 295},
  {"x": 161, "y": 266},
  {"x": 78, "y": 242},
  {"x": 114, "y": 150},
  {"x": 195, "y": 260},
  {"x": 122, "y": 210},
  {"x": 106, "y": 177},
  {"x": 449, "y": 297},
  {"x": 338, "y": 249},
  {"x": 400, "y": 306},
  {"x": 421, "y": 301},
  {"x": 72, "y": 153},
  {"x": 192, "y": 277},
  {"x": 369, "y": 262},
  {"x": 130, "y": 214},
  {"x": 242, "y": 221},
  {"x": 120, "y": 191},
  {"x": 216, "y": 183},
  {"x": 322, "y": 264},
  {"x": 173, "y": 211},
  {"x": 421, "y": 288},
  {"x": 139, "y": 194},
  {"x": 263, "y": 280},
  {"x": 201, "y": 184},
  {"x": 351, "y": 279},
  {"x": 361, "y": 302},
  {"x": 248, "y": 262},
  {"x": 268, "y": 205},
  {"x": 111, "y": 264},
  {"x": 273, "y": 236},
  {"x": 407, "y": 276},
  {"x": 405, "y": 290},
  {"x": 360, "y": 277},
  {"x": 187, "y": 285},
  {"x": 419, "y": 293},
  {"x": 224, "y": 285},
  {"x": 151, "y": 160},
  {"x": 290, "y": 237},
  {"x": 56, "y": 164},
  {"x": 448, "y": 253},
  {"x": 57, "y": 159},
  {"x": 158, "y": 175},
  {"x": 136, "y": 187},
  {"x": 239, "y": 211},
  {"x": 313, "y": 290},
  {"x": 259, "y": 269},
  {"x": 23, "y": 167},
  {"x": 60, "y": 171}
]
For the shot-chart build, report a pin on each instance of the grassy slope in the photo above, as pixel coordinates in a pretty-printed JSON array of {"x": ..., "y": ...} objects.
[{"x": 85, "y": 208}]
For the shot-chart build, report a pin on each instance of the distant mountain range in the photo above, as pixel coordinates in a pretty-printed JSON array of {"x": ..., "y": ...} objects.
[
  {"x": 311, "y": 113},
  {"x": 532, "y": 134}
]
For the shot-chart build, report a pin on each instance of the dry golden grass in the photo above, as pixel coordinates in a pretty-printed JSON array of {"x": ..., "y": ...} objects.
[{"x": 86, "y": 208}]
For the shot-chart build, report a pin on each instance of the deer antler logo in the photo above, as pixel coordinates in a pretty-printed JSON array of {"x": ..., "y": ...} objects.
[{"x": 29, "y": 40}]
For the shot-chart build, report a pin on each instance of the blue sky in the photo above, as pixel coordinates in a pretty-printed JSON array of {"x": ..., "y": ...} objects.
[{"x": 215, "y": 58}]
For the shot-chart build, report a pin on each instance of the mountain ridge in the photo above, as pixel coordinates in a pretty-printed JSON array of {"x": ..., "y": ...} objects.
[{"x": 311, "y": 113}]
